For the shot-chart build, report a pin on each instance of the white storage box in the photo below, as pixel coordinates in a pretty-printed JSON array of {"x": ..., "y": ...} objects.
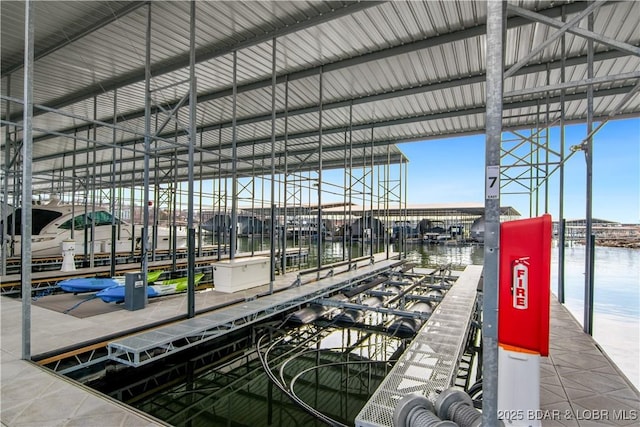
[{"x": 239, "y": 274}]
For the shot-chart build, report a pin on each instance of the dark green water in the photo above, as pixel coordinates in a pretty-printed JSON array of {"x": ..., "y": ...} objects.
[{"x": 334, "y": 370}]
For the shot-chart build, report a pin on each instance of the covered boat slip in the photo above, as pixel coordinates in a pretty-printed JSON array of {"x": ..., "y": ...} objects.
[
  {"x": 158, "y": 343},
  {"x": 430, "y": 363}
]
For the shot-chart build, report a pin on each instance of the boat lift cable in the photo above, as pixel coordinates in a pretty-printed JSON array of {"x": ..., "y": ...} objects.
[
  {"x": 281, "y": 382},
  {"x": 327, "y": 365},
  {"x": 322, "y": 417},
  {"x": 287, "y": 389}
]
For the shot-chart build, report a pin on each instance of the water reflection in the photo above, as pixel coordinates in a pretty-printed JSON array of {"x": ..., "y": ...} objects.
[{"x": 333, "y": 370}]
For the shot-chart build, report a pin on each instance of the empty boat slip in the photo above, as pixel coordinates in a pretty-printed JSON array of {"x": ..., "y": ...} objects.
[{"x": 149, "y": 346}]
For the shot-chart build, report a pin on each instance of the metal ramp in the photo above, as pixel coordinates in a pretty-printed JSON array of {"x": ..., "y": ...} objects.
[
  {"x": 147, "y": 347},
  {"x": 430, "y": 363}
]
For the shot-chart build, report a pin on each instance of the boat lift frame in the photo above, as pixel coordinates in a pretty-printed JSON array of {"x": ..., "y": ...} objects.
[{"x": 148, "y": 347}]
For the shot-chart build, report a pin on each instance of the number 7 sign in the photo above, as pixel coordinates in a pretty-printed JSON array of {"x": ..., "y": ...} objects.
[{"x": 492, "y": 185}]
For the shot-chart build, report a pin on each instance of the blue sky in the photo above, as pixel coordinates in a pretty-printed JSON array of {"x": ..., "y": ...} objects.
[{"x": 452, "y": 170}]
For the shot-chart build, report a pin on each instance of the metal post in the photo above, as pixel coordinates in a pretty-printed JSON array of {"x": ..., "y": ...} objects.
[
  {"x": 27, "y": 157},
  {"x": 193, "y": 100},
  {"x": 319, "y": 222},
  {"x": 5, "y": 244},
  {"x": 350, "y": 179},
  {"x": 561, "y": 221},
  {"x": 219, "y": 236},
  {"x": 546, "y": 146},
  {"x": 588, "y": 152},
  {"x": 344, "y": 202},
  {"x": 92, "y": 251},
  {"x": 286, "y": 173},
  {"x": 371, "y": 251},
  {"x": 387, "y": 191},
  {"x": 114, "y": 237},
  {"x": 234, "y": 163},
  {"x": 496, "y": 18},
  {"x": 200, "y": 195},
  {"x": 405, "y": 199},
  {"x": 272, "y": 227},
  {"x": 144, "y": 244}
]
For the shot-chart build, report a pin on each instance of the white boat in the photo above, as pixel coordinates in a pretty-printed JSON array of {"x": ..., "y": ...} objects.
[{"x": 52, "y": 224}]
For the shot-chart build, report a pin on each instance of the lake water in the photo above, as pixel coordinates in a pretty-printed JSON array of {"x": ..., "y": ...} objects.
[{"x": 616, "y": 319}]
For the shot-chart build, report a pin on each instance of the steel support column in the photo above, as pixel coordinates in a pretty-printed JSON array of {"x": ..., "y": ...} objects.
[
  {"x": 588, "y": 154},
  {"x": 7, "y": 235},
  {"x": 193, "y": 102},
  {"x": 112, "y": 204},
  {"x": 144, "y": 242},
  {"x": 234, "y": 163},
  {"x": 319, "y": 220},
  {"x": 283, "y": 258},
  {"x": 496, "y": 17},
  {"x": 272, "y": 226},
  {"x": 561, "y": 221},
  {"x": 27, "y": 156}
]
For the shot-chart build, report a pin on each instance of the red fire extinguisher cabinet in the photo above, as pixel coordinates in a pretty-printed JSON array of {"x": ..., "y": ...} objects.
[{"x": 524, "y": 292}]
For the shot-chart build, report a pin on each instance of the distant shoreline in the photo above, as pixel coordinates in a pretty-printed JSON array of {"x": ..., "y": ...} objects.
[
  {"x": 619, "y": 243},
  {"x": 631, "y": 243}
]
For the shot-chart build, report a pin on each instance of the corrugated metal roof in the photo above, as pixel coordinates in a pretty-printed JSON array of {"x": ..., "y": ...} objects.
[{"x": 402, "y": 71}]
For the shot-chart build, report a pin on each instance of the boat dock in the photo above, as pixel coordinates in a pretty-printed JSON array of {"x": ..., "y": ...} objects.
[{"x": 578, "y": 381}]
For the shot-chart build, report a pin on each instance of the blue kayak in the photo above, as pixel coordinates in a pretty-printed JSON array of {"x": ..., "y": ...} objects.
[
  {"x": 166, "y": 287},
  {"x": 93, "y": 284},
  {"x": 90, "y": 284}
]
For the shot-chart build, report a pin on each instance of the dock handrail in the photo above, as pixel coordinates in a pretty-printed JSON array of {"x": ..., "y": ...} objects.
[{"x": 353, "y": 265}]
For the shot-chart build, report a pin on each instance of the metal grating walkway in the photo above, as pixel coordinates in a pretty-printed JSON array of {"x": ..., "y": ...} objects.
[
  {"x": 147, "y": 347},
  {"x": 430, "y": 363}
]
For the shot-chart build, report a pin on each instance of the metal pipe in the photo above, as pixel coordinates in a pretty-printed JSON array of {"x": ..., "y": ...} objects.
[
  {"x": 272, "y": 227},
  {"x": 350, "y": 178},
  {"x": 144, "y": 242},
  {"x": 371, "y": 251},
  {"x": 114, "y": 237},
  {"x": 93, "y": 188},
  {"x": 286, "y": 174},
  {"x": 193, "y": 102},
  {"x": 200, "y": 195},
  {"x": 319, "y": 220},
  {"x": 27, "y": 175},
  {"x": 561, "y": 220},
  {"x": 5, "y": 244},
  {"x": 234, "y": 162},
  {"x": 496, "y": 20},
  {"x": 588, "y": 152},
  {"x": 546, "y": 147}
]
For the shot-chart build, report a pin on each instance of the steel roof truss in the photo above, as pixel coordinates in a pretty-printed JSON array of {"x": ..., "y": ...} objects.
[
  {"x": 550, "y": 39},
  {"x": 589, "y": 35},
  {"x": 567, "y": 85}
]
